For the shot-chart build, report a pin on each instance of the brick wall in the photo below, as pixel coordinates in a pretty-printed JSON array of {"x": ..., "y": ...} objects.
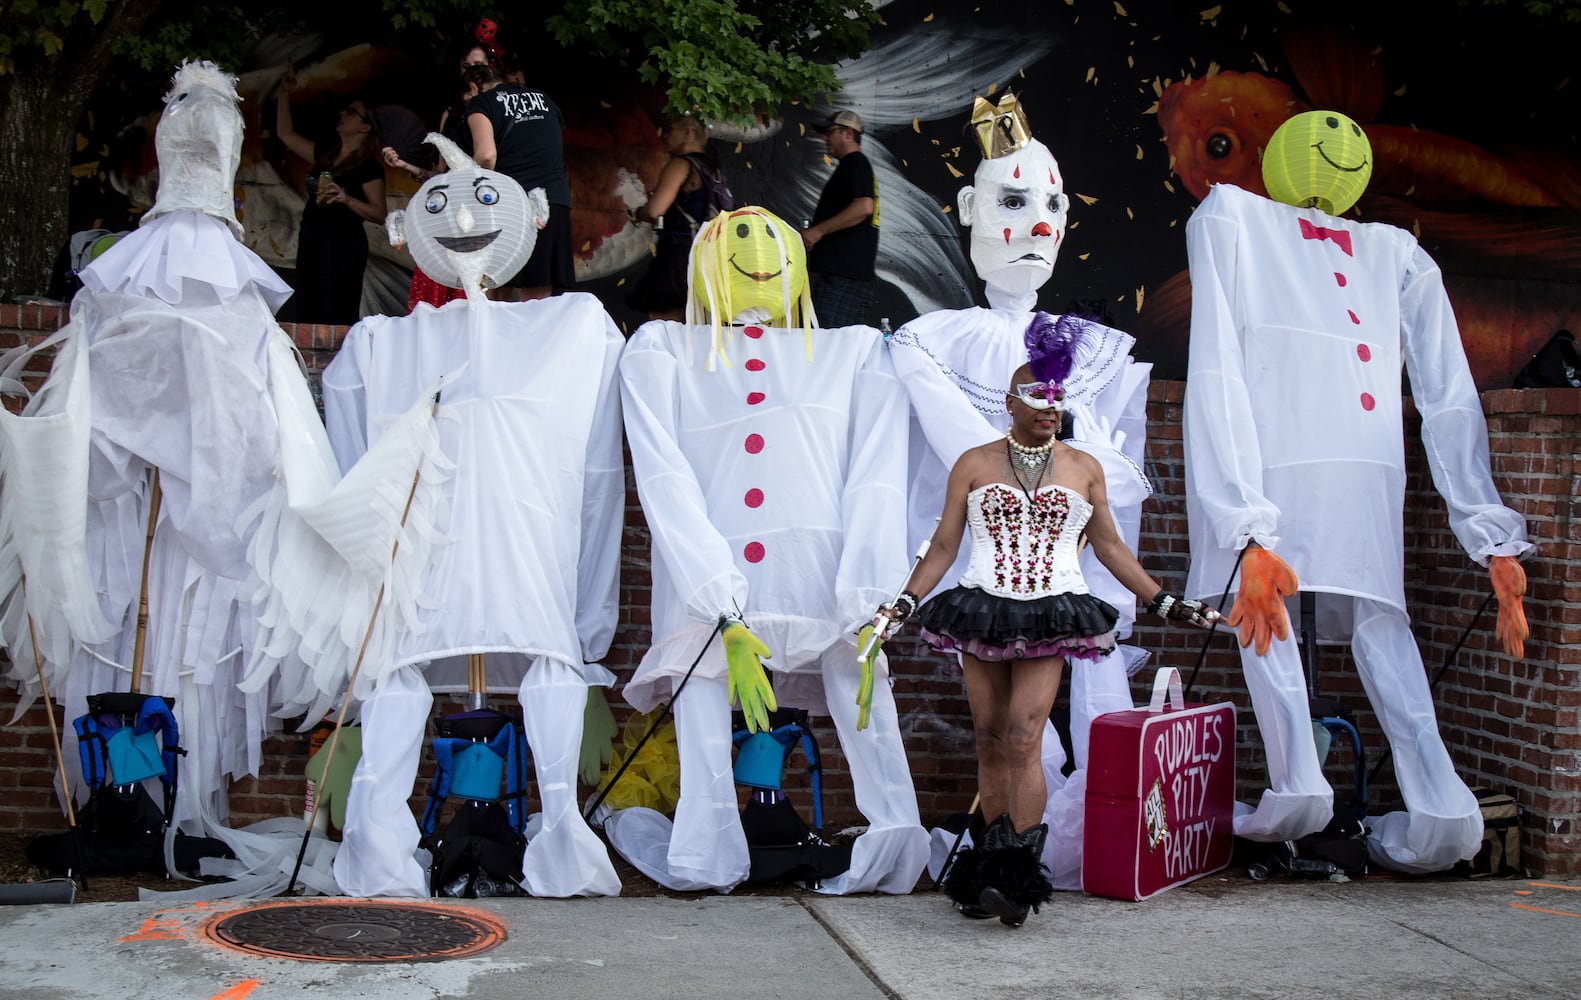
[{"x": 1510, "y": 726}]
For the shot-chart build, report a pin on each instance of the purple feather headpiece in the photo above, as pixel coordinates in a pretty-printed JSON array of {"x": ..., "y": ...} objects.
[{"x": 1051, "y": 346}]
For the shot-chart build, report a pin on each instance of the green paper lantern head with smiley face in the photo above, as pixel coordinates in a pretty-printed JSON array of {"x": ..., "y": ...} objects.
[
  {"x": 1318, "y": 159},
  {"x": 748, "y": 265}
]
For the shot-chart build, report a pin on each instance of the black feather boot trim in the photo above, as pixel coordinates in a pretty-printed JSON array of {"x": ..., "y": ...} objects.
[{"x": 1011, "y": 872}]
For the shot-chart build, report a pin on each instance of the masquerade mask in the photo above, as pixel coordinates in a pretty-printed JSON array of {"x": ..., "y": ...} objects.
[{"x": 1041, "y": 395}]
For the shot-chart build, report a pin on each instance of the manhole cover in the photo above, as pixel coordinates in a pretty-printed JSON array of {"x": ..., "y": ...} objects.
[{"x": 356, "y": 931}]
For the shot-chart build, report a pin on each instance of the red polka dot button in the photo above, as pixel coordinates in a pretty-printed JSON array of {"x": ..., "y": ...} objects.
[
  {"x": 1364, "y": 352},
  {"x": 754, "y": 443},
  {"x": 753, "y": 331},
  {"x": 754, "y": 497},
  {"x": 755, "y": 365},
  {"x": 1367, "y": 402},
  {"x": 754, "y": 398},
  {"x": 754, "y": 552}
]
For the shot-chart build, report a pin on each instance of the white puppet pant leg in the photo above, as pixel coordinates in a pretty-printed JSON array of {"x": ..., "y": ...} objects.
[
  {"x": 1299, "y": 800},
  {"x": 377, "y": 845},
  {"x": 705, "y": 847},
  {"x": 892, "y": 853},
  {"x": 1096, "y": 687},
  {"x": 565, "y": 858},
  {"x": 1442, "y": 823}
]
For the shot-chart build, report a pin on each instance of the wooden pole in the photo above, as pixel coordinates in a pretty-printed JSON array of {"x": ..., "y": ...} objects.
[
  {"x": 155, "y": 497},
  {"x": 49, "y": 708},
  {"x": 477, "y": 682},
  {"x": 351, "y": 685}
]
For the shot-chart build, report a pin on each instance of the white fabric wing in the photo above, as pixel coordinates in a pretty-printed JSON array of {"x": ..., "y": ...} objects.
[
  {"x": 340, "y": 561},
  {"x": 48, "y": 590}
]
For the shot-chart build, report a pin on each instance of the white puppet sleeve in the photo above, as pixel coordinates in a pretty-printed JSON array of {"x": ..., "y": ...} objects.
[
  {"x": 1454, "y": 432},
  {"x": 603, "y": 511},
  {"x": 872, "y": 505},
  {"x": 946, "y": 415},
  {"x": 1224, "y": 460},
  {"x": 694, "y": 553}
]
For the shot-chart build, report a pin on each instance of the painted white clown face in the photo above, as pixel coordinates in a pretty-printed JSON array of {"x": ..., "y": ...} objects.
[
  {"x": 1016, "y": 208},
  {"x": 473, "y": 228}
]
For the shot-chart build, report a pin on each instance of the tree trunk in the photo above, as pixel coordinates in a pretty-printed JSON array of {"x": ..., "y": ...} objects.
[
  {"x": 35, "y": 174},
  {"x": 40, "y": 106}
]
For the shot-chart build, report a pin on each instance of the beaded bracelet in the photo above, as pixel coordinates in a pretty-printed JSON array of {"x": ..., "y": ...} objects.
[{"x": 909, "y": 600}]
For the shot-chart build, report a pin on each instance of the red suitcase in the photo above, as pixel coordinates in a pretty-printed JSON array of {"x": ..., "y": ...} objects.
[{"x": 1160, "y": 795}]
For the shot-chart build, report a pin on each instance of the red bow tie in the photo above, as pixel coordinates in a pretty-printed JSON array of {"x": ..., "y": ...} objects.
[{"x": 1338, "y": 237}]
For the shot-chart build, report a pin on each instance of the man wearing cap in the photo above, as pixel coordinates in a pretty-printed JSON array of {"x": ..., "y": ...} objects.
[{"x": 842, "y": 242}]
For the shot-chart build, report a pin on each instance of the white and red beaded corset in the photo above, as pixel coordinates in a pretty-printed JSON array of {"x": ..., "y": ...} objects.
[{"x": 1023, "y": 548}]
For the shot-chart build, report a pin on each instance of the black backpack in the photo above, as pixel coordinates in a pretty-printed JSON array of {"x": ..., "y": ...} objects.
[
  {"x": 717, "y": 188},
  {"x": 1557, "y": 365}
]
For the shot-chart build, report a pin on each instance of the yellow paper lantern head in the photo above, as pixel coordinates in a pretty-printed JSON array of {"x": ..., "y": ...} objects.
[
  {"x": 748, "y": 263},
  {"x": 1318, "y": 159}
]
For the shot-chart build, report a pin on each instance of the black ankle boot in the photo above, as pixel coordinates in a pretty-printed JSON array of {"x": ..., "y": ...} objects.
[{"x": 1011, "y": 874}]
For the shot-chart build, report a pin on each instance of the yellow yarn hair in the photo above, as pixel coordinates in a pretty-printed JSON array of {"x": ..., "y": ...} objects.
[{"x": 735, "y": 261}]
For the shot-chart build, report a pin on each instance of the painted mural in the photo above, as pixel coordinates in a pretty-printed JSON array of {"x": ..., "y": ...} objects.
[{"x": 1470, "y": 108}]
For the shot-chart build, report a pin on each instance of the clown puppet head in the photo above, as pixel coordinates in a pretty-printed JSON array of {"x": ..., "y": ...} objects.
[
  {"x": 1016, "y": 206},
  {"x": 1318, "y": 159},
  {"x": 747, "y": 265},
  {"x": 468, "y": 227},
  {"x": 199, "y": 144}
]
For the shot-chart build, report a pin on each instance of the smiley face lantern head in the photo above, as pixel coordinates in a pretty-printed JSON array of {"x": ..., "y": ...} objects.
[
  {"x": 468, "y": 227},
  {"x": 747, "y": 265},
  {"x": 748, "y": 259},
  {"x": 1318, "y": 159}
]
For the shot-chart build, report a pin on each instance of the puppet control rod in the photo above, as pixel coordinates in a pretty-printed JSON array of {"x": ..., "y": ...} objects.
[
  {"x": 882, "y": 623},
  {"x": 351, "y": 683}
]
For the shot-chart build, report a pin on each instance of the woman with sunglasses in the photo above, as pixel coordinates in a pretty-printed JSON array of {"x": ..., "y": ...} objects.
[
  {"x": 1021, "y": 610},
  {"x": 344, "y": 189}
]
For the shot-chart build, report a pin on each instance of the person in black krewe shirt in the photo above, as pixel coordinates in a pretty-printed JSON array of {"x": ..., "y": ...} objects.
[
  {"x": 516, "y": 130},
  {"x": 842, "y": 242}
]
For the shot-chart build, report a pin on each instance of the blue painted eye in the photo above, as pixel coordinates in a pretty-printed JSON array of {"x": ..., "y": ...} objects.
[
  {"x": 486, "y": 195},
  {"x": 436, "y": 202},
  {"x": 1331, "y": 122}
]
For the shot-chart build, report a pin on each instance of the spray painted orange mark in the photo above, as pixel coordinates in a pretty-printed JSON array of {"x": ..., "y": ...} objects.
[
  {"x": 238, "y": 991},
  {"x": 156, "y": 930},
  {"x": 1524, "y": 892},
  {"x": 1539, "y": 909},
  {"x": 1555, "y": 885}
]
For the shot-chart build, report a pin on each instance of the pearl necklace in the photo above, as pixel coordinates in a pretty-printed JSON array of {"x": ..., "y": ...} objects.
[{"x": 1029, "y": 458}]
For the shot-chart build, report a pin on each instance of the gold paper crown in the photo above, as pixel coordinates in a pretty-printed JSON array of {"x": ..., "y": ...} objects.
[{"x": 1000, "y": 130}]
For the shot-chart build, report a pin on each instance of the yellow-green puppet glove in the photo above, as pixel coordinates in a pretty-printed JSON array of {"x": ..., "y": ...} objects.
[
  {"x": 864, "y": 687},
  {"x": 598, "y": 737},
  {"x": 331, "y": 793},
  {"x": 749, "y": 685}
]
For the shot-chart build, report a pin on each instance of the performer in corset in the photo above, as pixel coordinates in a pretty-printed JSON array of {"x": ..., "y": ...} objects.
[{"x": 1022, "y": 610}]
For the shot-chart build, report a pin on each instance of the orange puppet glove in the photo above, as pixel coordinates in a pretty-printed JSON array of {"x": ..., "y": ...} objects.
[
  {"x": 1509, "y": 583},
  {"x": 1259, "y": 611}
]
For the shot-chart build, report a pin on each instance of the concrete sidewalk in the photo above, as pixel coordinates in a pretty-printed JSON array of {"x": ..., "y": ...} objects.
[{"x": 1219, "y": 937}]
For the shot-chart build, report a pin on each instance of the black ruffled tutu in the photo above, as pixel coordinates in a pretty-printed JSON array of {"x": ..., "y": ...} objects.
[{"x": 967, "y": 620}]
